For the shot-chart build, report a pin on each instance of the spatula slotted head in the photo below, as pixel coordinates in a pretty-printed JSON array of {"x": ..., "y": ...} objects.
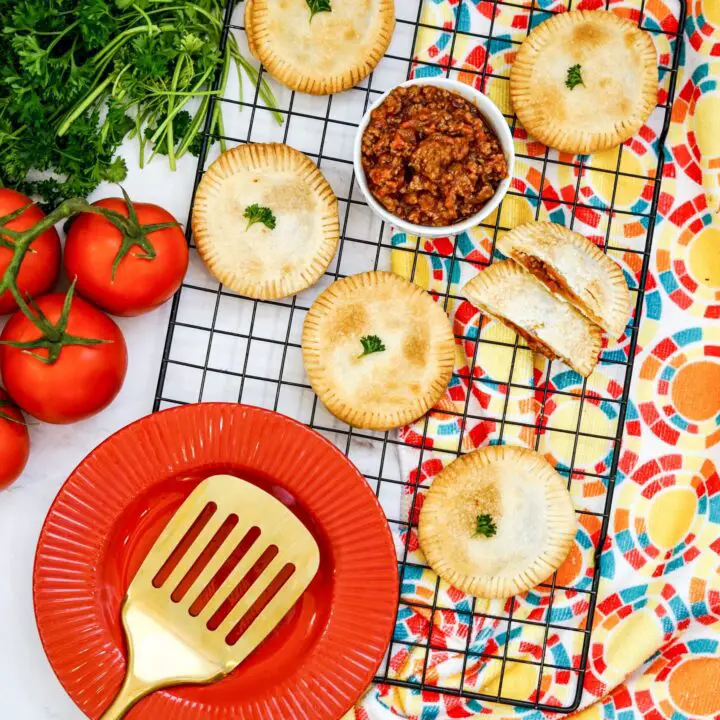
[{"x": 227, "y": 568}]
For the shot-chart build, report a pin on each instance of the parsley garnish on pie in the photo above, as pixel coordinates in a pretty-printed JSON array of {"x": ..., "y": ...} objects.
[
  {"x": 259, "y": 213},
  {"x": 318, "y": 6},
  {"x": 371, "y": 344},
  {"x": 574, "y": 77},
  {"x": 485, "y": 525}
]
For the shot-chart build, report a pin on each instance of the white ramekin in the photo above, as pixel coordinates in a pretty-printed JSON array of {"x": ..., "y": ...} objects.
[{"x": 497, "y": 123}]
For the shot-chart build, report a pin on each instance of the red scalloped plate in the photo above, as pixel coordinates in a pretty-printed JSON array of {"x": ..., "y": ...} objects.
[{"x": 108, "y": 514}]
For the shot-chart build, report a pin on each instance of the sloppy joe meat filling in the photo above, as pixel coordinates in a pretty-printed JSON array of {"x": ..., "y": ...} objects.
[{"x": 429, "y": 156}]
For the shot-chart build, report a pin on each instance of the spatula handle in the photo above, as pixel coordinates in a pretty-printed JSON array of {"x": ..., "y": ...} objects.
[{"x": 131, "y": 691}]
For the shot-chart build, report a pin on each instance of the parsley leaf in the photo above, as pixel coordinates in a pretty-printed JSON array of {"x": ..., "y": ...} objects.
[
  {"x": 258, "y": 213},
  {"x": 181, "y": 124},
  {"x": 318, "y": 6},
  {"x": 195, "y": 146},
  {"x": 485, "y": 525},
  {"x": 77, "y": 77},
  {"x": 371, "y": 344},
  {"x": 574, "y": 77}
]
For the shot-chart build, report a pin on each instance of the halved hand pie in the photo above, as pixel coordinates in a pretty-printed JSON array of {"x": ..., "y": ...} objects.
[
  {"x": 572, "y": 267},
  {"x": 548, "y": 324},
  {"x": 378, "y": 350},
  {"x": 497, "y": 522}
]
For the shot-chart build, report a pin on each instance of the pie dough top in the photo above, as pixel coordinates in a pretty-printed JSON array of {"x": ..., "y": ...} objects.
[
  {"x": 618, "y": 66},
  {"x": 384, "y": 389},
  {"x": 574, "y": 268},
  {"x": 550, "y": 325},
  {"x": 258, "y": 261},
  {"x": 331, "y": 52},
  {"x": 527, "y": 501}
]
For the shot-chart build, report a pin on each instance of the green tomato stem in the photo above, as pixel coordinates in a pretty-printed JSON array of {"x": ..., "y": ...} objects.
[
  {"x": 54, "y": 336},
  {"x": 21, "y": 245}
]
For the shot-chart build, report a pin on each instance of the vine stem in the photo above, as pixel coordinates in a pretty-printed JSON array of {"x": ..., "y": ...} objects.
[
  {"x": 21, "y": 246},
  {"x": 54, "y": 336}
]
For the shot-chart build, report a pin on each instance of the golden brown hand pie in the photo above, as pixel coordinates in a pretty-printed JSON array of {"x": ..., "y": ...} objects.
[
  {"x": 394, "y": 385},
  {"x": 585, "y": 80},
  {"x": 497, "y": 522},
  {"x": 257, "y": 260},
  {"x": 249, "y": 33},
  {"x": 330, "y": 52}
]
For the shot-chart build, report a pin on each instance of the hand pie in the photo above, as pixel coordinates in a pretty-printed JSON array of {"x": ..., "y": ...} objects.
[
  {"x": 572, "y": 267},
  {"x": 497, "y": 522},
  {"x": 585, "y": 80},
  {"x": 319, "y": 52},
  {"x": 549, "y": 325},
  {"x": 249, "y": 32},
  {"x": 265, "y": 220},
  {"x": 378, "y": 350}
]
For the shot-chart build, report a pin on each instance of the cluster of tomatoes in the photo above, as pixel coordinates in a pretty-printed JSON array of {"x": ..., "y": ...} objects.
[{"x": 111, "y": 275}]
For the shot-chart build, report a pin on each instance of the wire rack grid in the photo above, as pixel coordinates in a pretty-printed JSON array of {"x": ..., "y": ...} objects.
[{"x": 221, "y": 346}]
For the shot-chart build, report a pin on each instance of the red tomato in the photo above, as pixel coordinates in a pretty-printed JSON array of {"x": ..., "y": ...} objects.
[
  {"x": 14, "y": 442},
  {"x": 39, "y": 268},
  {"x": 140, "y": 284},
  {"x": 83, "y": 380}
]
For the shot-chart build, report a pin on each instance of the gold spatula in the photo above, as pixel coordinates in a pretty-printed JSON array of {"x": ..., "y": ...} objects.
[{"x": 227, "y": 568}]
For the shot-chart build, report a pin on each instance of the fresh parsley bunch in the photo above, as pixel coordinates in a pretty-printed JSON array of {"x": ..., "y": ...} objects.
[{"x": 78, "y": 76}]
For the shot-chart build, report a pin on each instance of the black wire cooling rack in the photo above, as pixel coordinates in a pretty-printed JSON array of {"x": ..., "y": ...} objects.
[{"x": 221, "y": 346}]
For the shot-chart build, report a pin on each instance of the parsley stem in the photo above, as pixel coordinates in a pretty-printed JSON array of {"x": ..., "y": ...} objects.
[
  {"x": 83, "y": 106},
  {"x": 180, "y": 93},
  {"x": 70, "y": 27},
  {"x": 176, "y": 109},
  {"x": 147, "y": 117},
  {"x": 141, "y": 141},
  {"x": 194, "y": 128},
  {"x": 265, "y": 90},
  {"x": 220, "y": 132},
  {"x": 119, "y": 40},
  {"x": 118, "y": 77},
  {"x": 185, "y": 8},
  {"x": 170, "y": 141},
  {"x": 143, "y": 14},
  {"x": 217, "y": 121},
  {"x": 235, "y": 52}
]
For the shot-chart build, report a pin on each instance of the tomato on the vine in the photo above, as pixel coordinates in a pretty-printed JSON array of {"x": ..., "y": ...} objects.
[
  {"x": 39, "y": 268},
  {"x": 126, "y": 276},
  {"x": 14, "y": 441},
  {"x": 90, "y": 364}
]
